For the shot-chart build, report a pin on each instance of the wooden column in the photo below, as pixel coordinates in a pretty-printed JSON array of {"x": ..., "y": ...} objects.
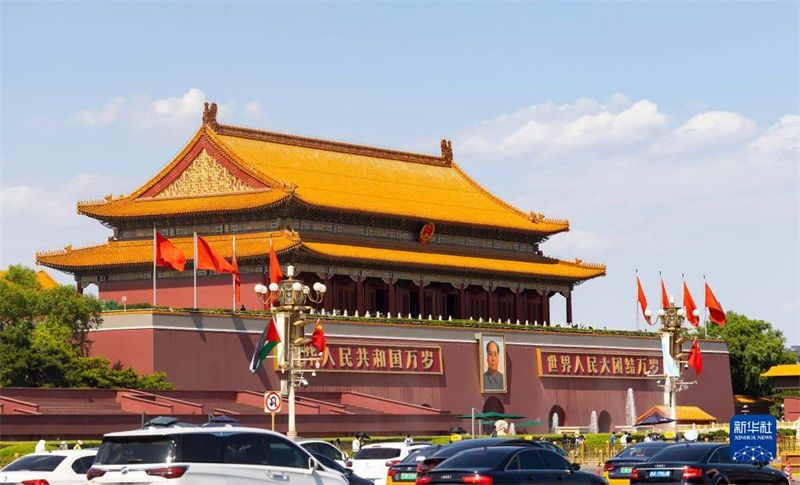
[
  {"x": 327, "y": 299},
  {"x": 392, "y": 292},
  {"x": 360, "y": 295},
  {"x": 517, "y": 302},
  {"x": 490, "y": 303},
  {"x": 569, "y": 307},
  {"x": 542, "y": 304},
  {"x": 462, "y": 303},
  {"x": 421, "y": 297}
]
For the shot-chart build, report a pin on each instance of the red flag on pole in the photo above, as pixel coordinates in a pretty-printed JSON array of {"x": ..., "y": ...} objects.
[
  {"x": 715, "y": 312},
  {"x": 689, "y": 306},
  {"x": 168, "y": 255},
  {"x": 695, "y": 358},
  {"x": 664, "y": 297},
  {"x": 208, "y": 258},
  {"x": 642, "y": 300},
  {"x": 275, "y": 273},
  {"x": 318, "y": 338}
]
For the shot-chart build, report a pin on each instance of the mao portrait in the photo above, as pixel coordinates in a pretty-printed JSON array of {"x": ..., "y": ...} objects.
[{"x": 493, "y": 363}]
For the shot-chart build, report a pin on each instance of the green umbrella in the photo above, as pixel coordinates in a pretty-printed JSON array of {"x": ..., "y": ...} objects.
[
  {"x": 535, "y": 422},
  {"x": 490, "y": 415}
]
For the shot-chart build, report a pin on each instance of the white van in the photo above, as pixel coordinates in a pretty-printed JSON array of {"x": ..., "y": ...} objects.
[
  {"x": 200, "y": 456},
  {"x": 372, "y": 461}
]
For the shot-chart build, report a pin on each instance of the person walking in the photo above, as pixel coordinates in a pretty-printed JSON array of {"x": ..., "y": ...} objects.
[
  {"x": 41, "y": 446},
  {"x": 356, "y": 445},
  {"x": 407, "y": 441}
]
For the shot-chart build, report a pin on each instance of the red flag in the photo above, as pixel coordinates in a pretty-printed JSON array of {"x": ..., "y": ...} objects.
[
  {"x": 642, "y": 300},
  {"x": 664, "y": 297},
  {"x": 689, "y": 306},
  {"x": 168, "y": 255},
  {"x": 714, "y": 308},
  {"x": 695, "y": 358},
  {"x": 236, "y": 282},
  {"x": 275, "y": 273},
  {"x": 318, "y": 338},
  {"x": 208, "y": 258}
]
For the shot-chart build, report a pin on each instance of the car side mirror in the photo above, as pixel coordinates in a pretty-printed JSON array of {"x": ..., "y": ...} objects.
[
  {"x": 313, "y": 464},
  {"x": 574, "y": 467}
]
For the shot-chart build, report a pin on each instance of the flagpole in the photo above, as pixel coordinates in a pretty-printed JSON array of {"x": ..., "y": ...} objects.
[
  {"x": 155, "y": 252},
  {"x": 195, "y": 270},
  {"x": 636, "y": 306},
  {"x": 705, "y": 307},
  {"x": 233, "y": 276}
]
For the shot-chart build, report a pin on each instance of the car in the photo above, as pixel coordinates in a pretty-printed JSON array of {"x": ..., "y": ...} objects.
[
  {"x": 372, "y": 461},
  {"x": 508, "y": 465},
  {"x": 554, "y": 448},
  {"x": 63, "y": 467},
  {"x": 446, "y": 451},
  {"x": 351, "y": 477},
  {"x": 324, "y": 448},
  {"x": 702, "y": 463},
  {"x": 405, "y": 472},
  {"x": 205, "y": 456},
  {"x": 618, "y": 468}
]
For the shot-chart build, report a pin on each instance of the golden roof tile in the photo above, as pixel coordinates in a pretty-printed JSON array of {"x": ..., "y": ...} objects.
[
  {"x": 682, "y": 413},
  {"x": 42, "y": 277},
  {"x": 784, "y": 370}
]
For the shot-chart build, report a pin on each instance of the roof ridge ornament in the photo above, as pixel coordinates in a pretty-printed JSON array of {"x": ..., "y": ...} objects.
[
  {"x": 447, "y": 151},
  {"x": 210, "y": 115}
]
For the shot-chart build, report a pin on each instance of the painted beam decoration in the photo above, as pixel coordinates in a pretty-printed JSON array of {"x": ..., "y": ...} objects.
[
  {"x": 557, "y": 363},
  {"x": 382, "y": 358}
]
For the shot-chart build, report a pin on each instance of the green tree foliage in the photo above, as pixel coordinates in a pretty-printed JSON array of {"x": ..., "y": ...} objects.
[
  {"x": 753, "y": 347},
  {"x": 44, "y": 339}
]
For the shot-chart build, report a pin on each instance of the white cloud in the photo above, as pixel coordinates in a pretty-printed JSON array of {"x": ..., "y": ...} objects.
[
  {"x": 108, "y": 113},
  {"x": 711, "y": 128},
  {"x": 253, "y": 109}
]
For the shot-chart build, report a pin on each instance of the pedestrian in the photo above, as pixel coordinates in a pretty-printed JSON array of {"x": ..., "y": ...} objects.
[
  {"x": 356, "y": 445},
  {"x": 338, "y": 443},
  {"x": 78, "y": 445},
  {"x": 623, "y": 440},
  {"x": 41, "y": 446},
  {"x": 408, "y": 440},
  {"x": 63, "y": 446},
  {"x": 612, "y": 440}
]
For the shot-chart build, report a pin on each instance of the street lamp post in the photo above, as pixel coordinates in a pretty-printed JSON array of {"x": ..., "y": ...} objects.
[
  {"x": 290, "y": 298},
  {"x": 671, "y": 319}
]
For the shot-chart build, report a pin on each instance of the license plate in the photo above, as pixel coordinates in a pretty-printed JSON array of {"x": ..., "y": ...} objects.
[
  {"x": 660, "y": 473},
  {"x": 408, "y": 476},
  {"x": 626, "y": 470}
]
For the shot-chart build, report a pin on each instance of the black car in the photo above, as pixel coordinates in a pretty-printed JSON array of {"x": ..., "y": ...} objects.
[
  {"x": 702, "y": 463},
  {"x": 620, "y": 466},
  {"x": 446, "y": 451},
  {"x": 406, "y": 470},
  {"x": 507, "y": 465},
  {"x": 550, "y": 446},
  {"x": 352, "y": 478}
]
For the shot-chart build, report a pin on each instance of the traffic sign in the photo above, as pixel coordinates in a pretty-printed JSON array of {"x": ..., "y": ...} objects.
[{"x": 272, "y": 402}]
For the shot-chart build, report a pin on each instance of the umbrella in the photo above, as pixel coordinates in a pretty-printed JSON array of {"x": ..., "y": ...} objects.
[
  {"x": 456, "y": 430},
  {"x": 654, "y": 418},
  {"x": 535, "y": 422},
  {"x": 491, "y": 416},
  {"x": 363, "y": 435}
]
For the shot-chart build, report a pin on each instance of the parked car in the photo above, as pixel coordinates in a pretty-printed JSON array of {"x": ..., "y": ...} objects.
[
  {"x": 702, "y": 463},
  {"x": 351, "y": 477},
  {"x": 206, "y": 456},
  {"x": 405, "y": 472},
  {"x": 618, "y": 469},
  {"x": 327, "y": 449},
  {"x": 372, "y": 461},
  {"x": 554, "y": 448},
  {"x": 64, "y": 467},
  {"x": 446, "y": 451},
  {"x": 507, "y": 465}
]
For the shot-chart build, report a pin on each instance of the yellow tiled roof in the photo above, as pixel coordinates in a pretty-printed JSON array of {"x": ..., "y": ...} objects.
[
  {"x": 139, "y": 252},
  {"x": 552, "y": 268},
  {"x": 133, "y": 207},
  {"x": 785, "y": 370},
  {"x": 339, "y": 176},
  {"x": 133, "y": 253},
  {"x": 682, "y": 413},
  {"x": 42, "y": 277}
]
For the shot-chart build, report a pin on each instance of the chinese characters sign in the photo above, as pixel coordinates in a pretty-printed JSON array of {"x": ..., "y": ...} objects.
[
  {"x": 377, "y": 358},
  {"x": 597, "y": 364},
  {"x": 753, "y": 438}
]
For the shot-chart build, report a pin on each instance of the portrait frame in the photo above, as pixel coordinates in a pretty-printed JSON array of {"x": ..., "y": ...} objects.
[{"x": 500, "y": 341}]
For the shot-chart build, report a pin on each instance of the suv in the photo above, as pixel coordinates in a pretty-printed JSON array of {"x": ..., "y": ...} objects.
[
  {"x": 67, "y": 467},
  {"x": 372, "y": 461},
  {"x": 235, "y": 455},
  {"x": 326, "y": 449}
]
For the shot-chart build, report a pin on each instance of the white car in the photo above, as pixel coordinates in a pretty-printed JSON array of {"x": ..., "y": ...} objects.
[
  {"x": 372, "y": 461},
  {"x": 65, "y": 467},
  {"x": 325, "y": 449},
  {"x": 206, "y": 456}
]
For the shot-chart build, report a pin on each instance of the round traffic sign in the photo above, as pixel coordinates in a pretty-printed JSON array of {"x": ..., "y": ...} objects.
[{"x": 272, "y": 402}]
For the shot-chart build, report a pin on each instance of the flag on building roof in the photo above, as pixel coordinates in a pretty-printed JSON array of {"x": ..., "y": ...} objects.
[
  {"x": 715, "y": 312},
  {"x": 208, "y": 258},
  {"x": 268, "y": 341},
  {"x": 664, "y": 296},
  {"x": 168, "y": 255},
  {"x": 275, "y": 273},
  {"x": 695, "y": 358},
  {"x": 642, "y": 300},
  {"x": 689, "y": 306}
]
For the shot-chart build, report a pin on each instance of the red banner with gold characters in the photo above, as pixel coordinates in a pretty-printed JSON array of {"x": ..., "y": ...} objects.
[
  {"x": 556, "y": 363},
  {"x": 382, "y": 358}
]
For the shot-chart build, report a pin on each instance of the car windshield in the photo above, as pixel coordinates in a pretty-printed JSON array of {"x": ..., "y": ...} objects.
[
  {"x": 639, "y": 452},
  {"x": 328, "y": 462},
  {"x": 377, "y": 454},
  {"x": 136, "y": 449},
  {"x": 35, "y": 463},
  {"x": 680, "y": 454},
  {"x": 474, "y": 459},
  {"x": 418, "y": 455}
]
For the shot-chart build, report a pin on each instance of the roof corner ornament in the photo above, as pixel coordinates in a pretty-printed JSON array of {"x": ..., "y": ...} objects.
[
  {"x": 447, "y": 150},
  {"x": 210, "y": 115}
]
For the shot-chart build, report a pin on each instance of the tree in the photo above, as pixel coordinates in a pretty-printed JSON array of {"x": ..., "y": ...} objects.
[
  {"x": 753, "y": 347},
  {"x": 44, "y": 338}
]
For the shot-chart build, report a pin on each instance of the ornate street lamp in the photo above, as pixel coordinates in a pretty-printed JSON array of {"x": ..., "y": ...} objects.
[{"x": 289, "y": 300}]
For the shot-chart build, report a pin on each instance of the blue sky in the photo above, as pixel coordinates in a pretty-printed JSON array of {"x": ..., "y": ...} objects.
[{"x": 668, "y": 133}]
